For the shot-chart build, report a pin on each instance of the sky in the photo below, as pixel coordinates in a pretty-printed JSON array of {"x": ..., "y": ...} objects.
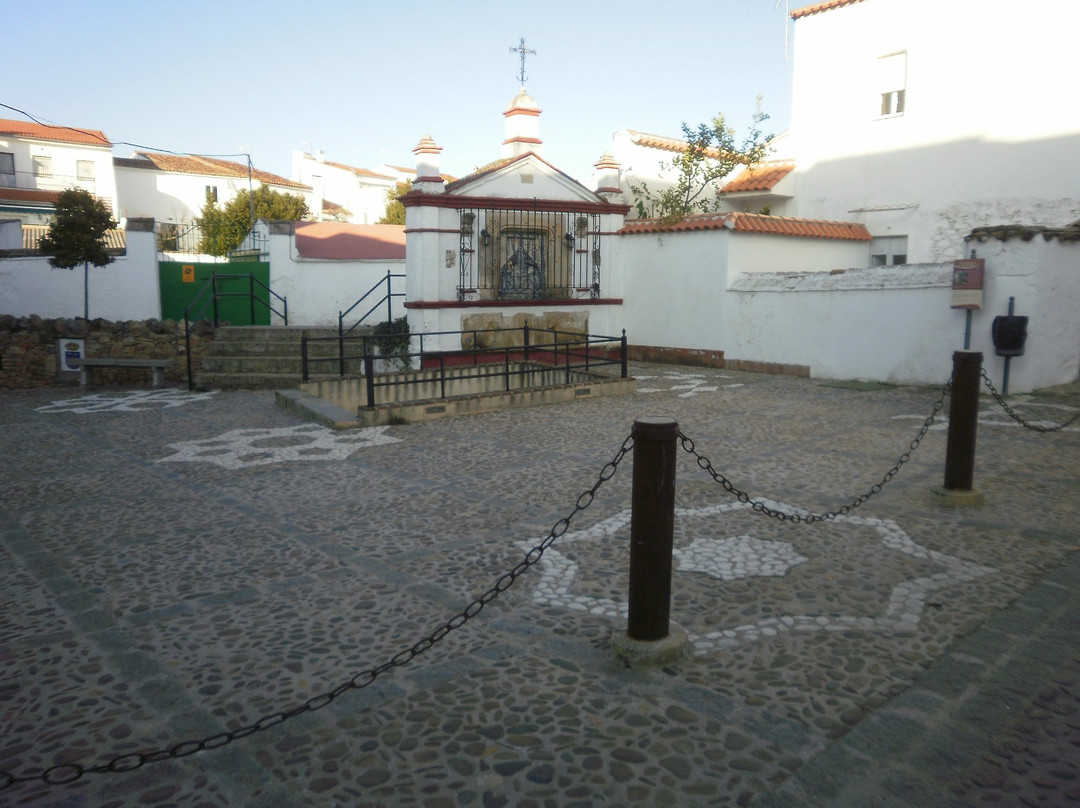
[{"x": 364, "y": 81}]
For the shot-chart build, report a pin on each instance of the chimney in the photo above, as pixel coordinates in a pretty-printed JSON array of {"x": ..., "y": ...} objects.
[{"x": 428, "y": 179}]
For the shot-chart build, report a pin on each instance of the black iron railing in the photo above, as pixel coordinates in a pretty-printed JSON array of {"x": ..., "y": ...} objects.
[
  {"x": 211, "y": 293},
  {"x": 567, "y": 351},
  {"x": 387, "y": 298}
]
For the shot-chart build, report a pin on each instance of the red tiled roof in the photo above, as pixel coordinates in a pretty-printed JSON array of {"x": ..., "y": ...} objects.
[
  {"x": 671, "y": 144},
  {"x": 817, "y": 8},
  {"x": 212, "y": 166},
  {"x": 755, "y": 223},
  {"x": 42, "y": 131},
  {"x": 29, "y": 195},
  {"x": 341, "y": 241},
  {"x": 760, "y": 177}
]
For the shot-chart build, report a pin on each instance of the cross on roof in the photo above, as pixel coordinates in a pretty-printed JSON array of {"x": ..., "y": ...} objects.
[{"x": 520, "y": 48}]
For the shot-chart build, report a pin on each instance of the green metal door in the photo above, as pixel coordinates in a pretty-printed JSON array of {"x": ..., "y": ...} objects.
[{"x": 241, "y": 300}]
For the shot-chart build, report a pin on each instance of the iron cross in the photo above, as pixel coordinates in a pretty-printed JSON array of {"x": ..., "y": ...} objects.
[{"x": 520, "y": 48}]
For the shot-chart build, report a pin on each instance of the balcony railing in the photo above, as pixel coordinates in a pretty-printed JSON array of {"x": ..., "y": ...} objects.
[{"x": 46, "y": 182}]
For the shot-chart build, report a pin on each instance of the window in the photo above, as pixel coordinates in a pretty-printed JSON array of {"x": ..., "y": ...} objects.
[
  {"x": 888, "y": 250},
  {"x": 42, "y": 166},
  {"x": 7, "y": 170},
  {"x": 84, "y": 169},
  {"x": 211, "y": 193},
  {"x": 892, "y": 83}
]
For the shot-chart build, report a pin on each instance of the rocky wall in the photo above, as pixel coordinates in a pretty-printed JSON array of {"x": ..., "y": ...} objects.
[{"x": 29, "y": 352}]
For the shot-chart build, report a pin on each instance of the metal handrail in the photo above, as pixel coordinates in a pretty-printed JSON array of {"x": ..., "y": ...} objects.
[
  {"x": 212, "y": 284},
  {"x": 387, "y": 298}
]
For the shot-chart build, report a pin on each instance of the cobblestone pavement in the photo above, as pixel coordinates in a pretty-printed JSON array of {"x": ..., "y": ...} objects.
[{"x": 175, "y": 566}]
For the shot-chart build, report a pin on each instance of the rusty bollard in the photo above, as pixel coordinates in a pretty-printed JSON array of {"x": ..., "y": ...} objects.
[
  {"x": 650, "y": 637},
  {"x": 958, "y": 489}
]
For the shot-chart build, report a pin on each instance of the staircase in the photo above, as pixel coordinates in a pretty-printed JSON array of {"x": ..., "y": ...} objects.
[{"x": 269, "y": 357}]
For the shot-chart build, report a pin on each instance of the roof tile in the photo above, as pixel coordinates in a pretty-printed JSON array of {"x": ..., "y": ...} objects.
[
  {"x": 341, "y": 241},
  {"x": 44, "y": 131},
  {"x": 755, "y": 223},
  {"x": 760, "y": 177},
  {"x": 817, "y": 8},
  {"x": 211, "y": 166}
]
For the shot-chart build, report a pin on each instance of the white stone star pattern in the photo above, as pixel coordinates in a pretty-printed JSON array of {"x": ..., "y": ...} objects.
[
  {"x": 242, "y": 448},
  {"x": 744, "y": 556},
  {"x": 126, "y": 402}
]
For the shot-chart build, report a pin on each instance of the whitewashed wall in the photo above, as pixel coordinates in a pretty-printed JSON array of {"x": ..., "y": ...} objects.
[
  {"x": 985, "y": 137},
  {"x": 126, "y": 289},
  {"x": 723, "y": 291},
  {"x": 318, "y": 289}
]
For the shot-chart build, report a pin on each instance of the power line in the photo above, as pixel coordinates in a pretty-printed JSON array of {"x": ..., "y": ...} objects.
[{"x": 107, "y": 142}]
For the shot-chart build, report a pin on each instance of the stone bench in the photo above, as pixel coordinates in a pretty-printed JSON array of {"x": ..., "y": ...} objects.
[{"x": 86, "y": 366}]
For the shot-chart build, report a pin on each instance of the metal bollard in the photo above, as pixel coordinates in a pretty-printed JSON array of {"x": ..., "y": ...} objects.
[
  {"x": 963, "y": 421},
  {"x": 652, "y": 525}
]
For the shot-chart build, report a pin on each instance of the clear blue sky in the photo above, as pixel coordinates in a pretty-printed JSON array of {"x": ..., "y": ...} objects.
[{"x": 365, "y": 80}]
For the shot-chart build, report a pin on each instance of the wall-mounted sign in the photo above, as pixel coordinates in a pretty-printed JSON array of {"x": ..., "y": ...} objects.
[
  {"x": 187, "y": 273},
  {"x": 967, "y": 283},
  {"x": 68, "y": 349}
]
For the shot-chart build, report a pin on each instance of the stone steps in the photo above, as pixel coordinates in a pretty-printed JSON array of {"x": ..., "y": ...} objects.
[{"x": 264, "y": 357}]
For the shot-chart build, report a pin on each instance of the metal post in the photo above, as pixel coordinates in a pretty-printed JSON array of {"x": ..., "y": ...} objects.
[
  {"x": 187, "y": 350},
  {"x": 251, "y": 296},
  {"x": 389, "y": 300},
  {"x": 963, "y": 421},
  {"x": 525, "y": 331},
  {"x": 341, "y": 344},
  {"x": 369, "y": 372},
  {"x": 622, "y": 351},
  {"x": 652, "y": 525},
  {"x": 1005, "y": 375},
  {"x": 214, "y": 291},
  {"x": 303, "y": 356}
]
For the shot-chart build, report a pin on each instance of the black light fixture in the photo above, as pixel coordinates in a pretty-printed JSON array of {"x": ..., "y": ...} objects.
[
  {"x": 485, "y": 236},
  {"x": 569, "y": 240}
]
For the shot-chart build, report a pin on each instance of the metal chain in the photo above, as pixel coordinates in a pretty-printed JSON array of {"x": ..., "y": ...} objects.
[
  {"x": 70, "y": 772},
  {"x": 1019, "y": 419},
  {"x": 705, "y": 464}
]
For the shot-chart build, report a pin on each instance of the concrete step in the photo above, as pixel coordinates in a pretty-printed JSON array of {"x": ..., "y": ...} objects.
[{"x": 249, "y": 381}]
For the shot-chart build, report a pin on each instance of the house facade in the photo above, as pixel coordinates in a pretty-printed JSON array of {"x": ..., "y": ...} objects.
[
  {"x": 173, "y": 188},
  {"x": 924, "y": 119},
  {"x": 342, "y": 192},
  {"x": 37, "y": 161}
]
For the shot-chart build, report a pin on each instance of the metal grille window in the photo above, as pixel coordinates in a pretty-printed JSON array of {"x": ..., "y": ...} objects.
[
  {"x": 84, "y": 169},
  {"x": 7, "y": 170},
  {"x": 892, "y": 83},
  {"x": 528, "y": 255},
  {"x": 42, "y": 165},
  {"x": 888, "y": 250}
]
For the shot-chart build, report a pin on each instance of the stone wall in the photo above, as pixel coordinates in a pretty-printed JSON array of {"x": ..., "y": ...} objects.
[{"x": 29, "y": 355}]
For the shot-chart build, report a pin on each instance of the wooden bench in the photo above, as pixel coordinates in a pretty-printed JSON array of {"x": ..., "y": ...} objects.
[{"x": 86, "y": 366}]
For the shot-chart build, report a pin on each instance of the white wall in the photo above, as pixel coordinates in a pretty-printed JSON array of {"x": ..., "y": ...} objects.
[
  {"x": 986, "y": 137},
  {"x": 317, "y": 290},
  {"x": 126, "y": 289},
  {"x": 786, "y": 300},
  {"x": 65, "y": 158}
]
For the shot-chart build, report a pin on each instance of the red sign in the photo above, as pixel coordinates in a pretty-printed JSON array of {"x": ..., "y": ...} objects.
[{"x": 967, "y": 283}]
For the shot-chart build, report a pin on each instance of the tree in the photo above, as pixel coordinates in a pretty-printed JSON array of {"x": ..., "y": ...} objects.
[
  {"x": 711, "y": 154},
  {"x": 224, "y": 229},
  {"x": 395, "y": 211},
  {"x": 77, "y": 236}
]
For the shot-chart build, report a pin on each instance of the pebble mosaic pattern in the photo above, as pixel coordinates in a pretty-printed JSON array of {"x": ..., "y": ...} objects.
[
  {"x": 147, "y": 602},
  {"x": 126, "y": 402},
  {"x": 1043, "y": 414},
  {"x": 240, "y": 448},
  {"x": 687, "y": 385}
]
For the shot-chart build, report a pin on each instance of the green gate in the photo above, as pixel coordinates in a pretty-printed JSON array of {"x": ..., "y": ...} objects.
[{"x": 241, "y": 291}]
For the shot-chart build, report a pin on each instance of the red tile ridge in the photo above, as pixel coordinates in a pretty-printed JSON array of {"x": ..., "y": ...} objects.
[
  {"x": 817, "y": 8},
  {"x": 44, "y": 131},
  {"x": 754, "y": 223},
  {"x": 759, "y": 177}
]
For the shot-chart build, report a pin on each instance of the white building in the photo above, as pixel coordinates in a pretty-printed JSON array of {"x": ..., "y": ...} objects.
[
  {"x": 923, "y": 119},
  {"x": 174, "y": 188},
  {"x": 341, "y": 192},
  {"x": 37, "y": 161}
]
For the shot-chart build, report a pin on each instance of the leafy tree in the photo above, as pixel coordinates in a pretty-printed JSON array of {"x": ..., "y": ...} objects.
[
  {"x": 395, "y": 211},
  {"x": 711, "y": 154},
  {"x": 77, "y": 236},
  {"x": 224, "y": 229}
]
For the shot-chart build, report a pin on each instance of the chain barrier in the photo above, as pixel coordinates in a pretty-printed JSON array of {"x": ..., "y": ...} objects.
[
  {"x": 706, "y": 465},
  {"x": 64, "y": 773},
  {"x": 1018, "y": 418}
]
